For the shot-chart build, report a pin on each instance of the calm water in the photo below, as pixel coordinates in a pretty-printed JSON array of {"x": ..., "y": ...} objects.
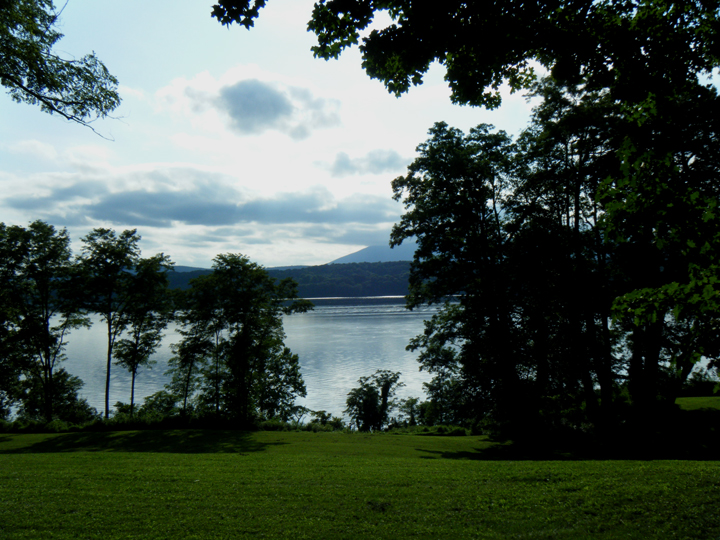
[{"x": 337, "y": 343}]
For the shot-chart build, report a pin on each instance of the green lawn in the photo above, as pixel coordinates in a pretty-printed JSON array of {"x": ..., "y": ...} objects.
[
  {"x": 195, "y": 484},
  {"x": 695, "y": 403}
]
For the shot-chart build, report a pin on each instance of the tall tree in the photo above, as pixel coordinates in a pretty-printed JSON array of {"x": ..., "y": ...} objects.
[
  {"x": 453, "y": 195},
  {"x": 39, "y": 291},
  {"x": 637, "y": 47},
  {"x": 33, "y": 72},
  {"x": 107, "y": 261},
  {"x": 147, "y": 313},
  {"x": 650, "y": 57},
  {"x": 233, "y": 324}
]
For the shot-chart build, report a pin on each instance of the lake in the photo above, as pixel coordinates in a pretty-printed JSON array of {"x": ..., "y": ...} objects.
[{"x": 338, "y": 342}]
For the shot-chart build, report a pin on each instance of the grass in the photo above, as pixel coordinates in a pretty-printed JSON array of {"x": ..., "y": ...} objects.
[
  {"x": 696, "y": 403},
  {"x": 224, "y": 484}
]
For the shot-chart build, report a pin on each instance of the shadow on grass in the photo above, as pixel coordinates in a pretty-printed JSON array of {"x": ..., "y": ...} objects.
[
  {"x": 162, "y": 441},
  {"x": 500, "y": 452},
  {"x": 690, "y": 435}
]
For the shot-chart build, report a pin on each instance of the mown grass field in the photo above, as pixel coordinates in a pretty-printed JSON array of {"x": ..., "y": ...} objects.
[
  {"x": 695, "y": 403},
  {"x": 225, "y": 484}
]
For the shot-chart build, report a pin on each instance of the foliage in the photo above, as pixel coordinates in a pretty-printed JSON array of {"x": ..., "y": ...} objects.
[
  {"x": 159, "y": 405},
  {"x": 31, "y": 70},
  {"x": 530, "y": 270},
  {"x": 331, "y": 280},
  {"x": 702, "y": 382},
  {"x": 370, "y": 404},
  {"x": 613, "y": 224},
  {"x": 39, "y": 289},
  {"x": 325, "y": 419},
  {"x": 107, "y": 261},
  {"x": 232, "y": 359},
  {"x": 67, "y": 405},
  {"x": 637, "y": 48},
  {"x": 148, "y": 310}
]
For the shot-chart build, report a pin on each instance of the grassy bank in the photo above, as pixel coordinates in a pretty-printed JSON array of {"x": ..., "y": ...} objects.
[{"x": 195, "y": 484}]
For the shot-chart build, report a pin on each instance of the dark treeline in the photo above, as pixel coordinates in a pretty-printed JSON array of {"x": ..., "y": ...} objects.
[
  {"x": 231, "y": 364},
  {"x": 331, "y": 280},
  {"x": 585, "y": 286}
]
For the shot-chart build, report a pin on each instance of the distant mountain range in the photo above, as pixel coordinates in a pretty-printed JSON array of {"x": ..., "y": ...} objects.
[
  {"x": 370, "y": 254},
  {"x": 403, "y": 252},
  {"x": 373, "y": 271}
]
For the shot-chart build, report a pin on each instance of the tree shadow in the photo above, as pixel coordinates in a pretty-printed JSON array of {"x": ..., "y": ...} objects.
[
  {"x": 688, "y": 435},
  {"x": 501, "y": 452},
  {"x": 159, "y": 441}
]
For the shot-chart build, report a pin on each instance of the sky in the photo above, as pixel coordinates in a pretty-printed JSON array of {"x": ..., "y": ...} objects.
[{"x": 227, "y": 140}]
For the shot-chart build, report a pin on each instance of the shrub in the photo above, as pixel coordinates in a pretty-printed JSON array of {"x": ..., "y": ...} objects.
[{"x": 56, "y": 426}]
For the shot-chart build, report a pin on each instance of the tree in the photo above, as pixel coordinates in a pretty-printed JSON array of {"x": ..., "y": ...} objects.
[
  {"x": 32, "y": 72},
  {"x": 39, "y": 287},
  {"x": 648, "y": 56},
  {"x": 369, "y": 405},
  {"x": 67, "y": 405},
  {"x": 233, "y": 330},
  {"x": 107, "y": 261},
  {"x": 517, "y": 239},
  {"x": 636, "y": 47},
  {"x": 649, "y": 193},
  {"x": 147, "y": 313},
  {"x": 453, "y": 195}
]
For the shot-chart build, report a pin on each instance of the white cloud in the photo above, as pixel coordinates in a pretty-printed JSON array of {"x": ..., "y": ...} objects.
[{"x": 35, "y": 149}]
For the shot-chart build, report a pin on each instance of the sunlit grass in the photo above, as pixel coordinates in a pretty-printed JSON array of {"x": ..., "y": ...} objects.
[
  {"x": 194, "y": 484},
  {"x": 694, "y": 403}
]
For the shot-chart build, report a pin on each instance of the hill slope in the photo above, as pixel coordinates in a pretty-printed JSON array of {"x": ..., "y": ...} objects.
[
  {"x": 331, "y": 280},
  {"x": 403, "y": 252}
]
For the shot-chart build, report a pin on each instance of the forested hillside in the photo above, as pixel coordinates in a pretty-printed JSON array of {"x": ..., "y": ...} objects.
[{"x": 332, "y": 280}]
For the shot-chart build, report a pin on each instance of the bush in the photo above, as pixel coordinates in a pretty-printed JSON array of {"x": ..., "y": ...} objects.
[
  {"x": 273, "y": 424},
  {"x": 56, "y": 426}
]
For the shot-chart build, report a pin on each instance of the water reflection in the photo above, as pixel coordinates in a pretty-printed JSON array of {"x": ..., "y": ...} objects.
[{"x": 338, "y": 342}]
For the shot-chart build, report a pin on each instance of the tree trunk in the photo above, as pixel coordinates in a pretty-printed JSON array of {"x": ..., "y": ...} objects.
[
  {"x": 109, "y": 363},
  {"x": 132, "y": 392}
]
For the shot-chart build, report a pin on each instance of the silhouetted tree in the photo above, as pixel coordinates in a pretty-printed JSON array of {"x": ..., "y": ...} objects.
[
  {"x": 39, "y": 291},
  {"x": 232, "y": 331},
  {"x": 107, "y": 261},
  {"x": 369, "y": 405},
  {"x": 32, "y": 70},
  {"x": 147, "y": 313}
]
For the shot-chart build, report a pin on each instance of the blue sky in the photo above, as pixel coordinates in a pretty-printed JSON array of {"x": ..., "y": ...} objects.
[{"x": 227, "y": 140}]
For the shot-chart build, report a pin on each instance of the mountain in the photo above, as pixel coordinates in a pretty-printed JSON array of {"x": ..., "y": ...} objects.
[
  {"x": 180, "y": 268},
  {"x": 371, "y": 254},
  {"x": 331, "y": 280},
  {"x": 373, "y": 271}
]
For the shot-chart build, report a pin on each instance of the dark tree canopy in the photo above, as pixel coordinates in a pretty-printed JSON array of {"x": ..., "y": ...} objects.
[
  {"x": 80, "y": 90},
  {"x": 560, "y": 306},
  {"x": 232, "y": 361},
  {"x": 39, "y": 306},
  {"x": 637, "y": 47}
]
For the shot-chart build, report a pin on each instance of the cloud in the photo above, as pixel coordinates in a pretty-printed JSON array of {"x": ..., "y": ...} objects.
[
  {"x": 374, "y": 162},
  {"x": 34, "y": 148},
  {"x": 196, "y": 198},
  {"x": 254, "y": 106},
  {"x": 250, "y": 106}
]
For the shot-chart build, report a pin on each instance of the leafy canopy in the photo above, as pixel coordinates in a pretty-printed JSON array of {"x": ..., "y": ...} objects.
[
  {"x": 80, "y": 90},
  {"x": 635, "y": 46}
]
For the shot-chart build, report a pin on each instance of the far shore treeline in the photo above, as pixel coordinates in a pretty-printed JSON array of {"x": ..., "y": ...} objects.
[{"x": 331, "y": 280}]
